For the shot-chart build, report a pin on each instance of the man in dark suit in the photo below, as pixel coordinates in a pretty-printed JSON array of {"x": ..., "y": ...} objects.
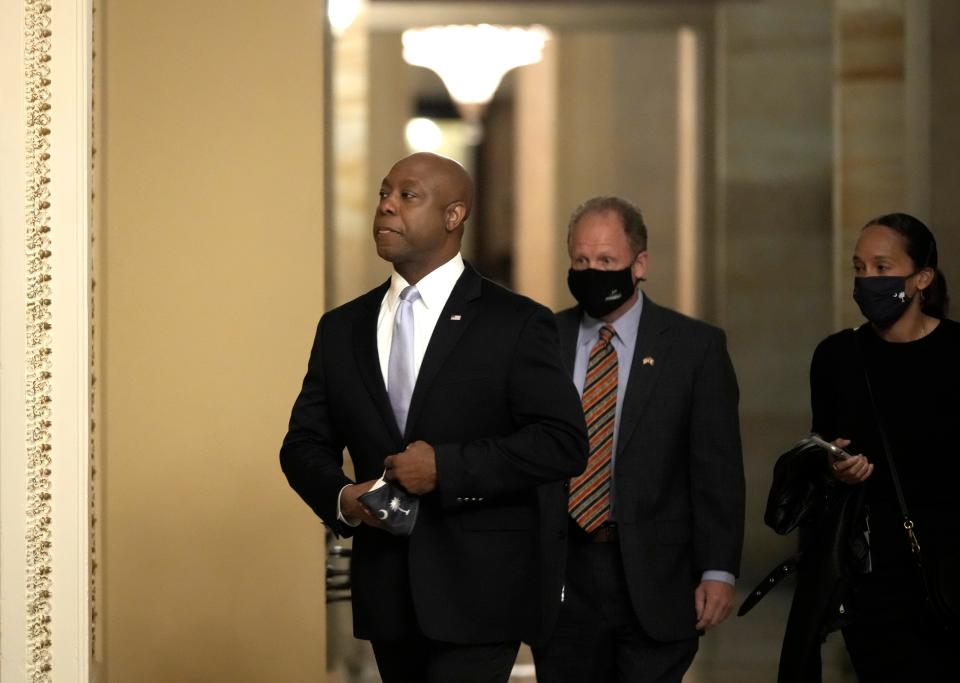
[
  {"x": 451, "y": 387},
  {"x": 656, "y": 520}
]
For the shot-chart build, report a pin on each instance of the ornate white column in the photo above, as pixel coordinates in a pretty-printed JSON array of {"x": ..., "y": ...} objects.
[{"x": 45, "y": 63}]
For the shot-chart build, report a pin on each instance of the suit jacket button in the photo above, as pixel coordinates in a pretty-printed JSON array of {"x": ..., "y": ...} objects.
[{"x": 561, "y": 535}]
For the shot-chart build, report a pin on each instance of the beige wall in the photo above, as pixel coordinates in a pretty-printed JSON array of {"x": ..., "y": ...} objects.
[
  {"x": 944, "y": 144},
  {"x": 350, "y": 238},
  {"x": 774, "y": 157},
  {"x": 871, "y": 128},
  {"x": 210, "y": 281},
  {"x": 390, "y": 104},
  {"x": 618, "y": 135},
  {"x": 374, "y": 100}
]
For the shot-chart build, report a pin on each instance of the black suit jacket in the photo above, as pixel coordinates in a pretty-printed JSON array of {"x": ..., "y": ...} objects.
[
  {"x": 678, "y": 475},
  {"x": 485, "y": 560}
]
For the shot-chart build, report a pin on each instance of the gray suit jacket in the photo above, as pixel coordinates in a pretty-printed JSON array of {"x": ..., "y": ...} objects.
[{"x": 678, "y": 476}]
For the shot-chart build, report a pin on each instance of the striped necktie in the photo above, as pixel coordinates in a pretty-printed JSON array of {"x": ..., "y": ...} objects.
[{"x": 590, "y": 492}]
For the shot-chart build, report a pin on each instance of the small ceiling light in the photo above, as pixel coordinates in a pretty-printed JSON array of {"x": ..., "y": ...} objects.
[{"x": 423, "y": 135}]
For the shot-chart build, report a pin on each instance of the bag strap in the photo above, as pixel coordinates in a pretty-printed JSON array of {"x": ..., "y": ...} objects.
[
  {"x": 907, "y": 520},
  {"x": 784, "y": 569}
]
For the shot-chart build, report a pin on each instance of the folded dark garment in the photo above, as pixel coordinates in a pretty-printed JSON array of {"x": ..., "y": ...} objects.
[
  {"x": 799, "y": 480},
  {"x": 395, "y": 508}
]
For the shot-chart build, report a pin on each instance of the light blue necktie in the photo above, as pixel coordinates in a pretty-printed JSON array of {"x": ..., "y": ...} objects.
[{"x": 401, "y": 372}]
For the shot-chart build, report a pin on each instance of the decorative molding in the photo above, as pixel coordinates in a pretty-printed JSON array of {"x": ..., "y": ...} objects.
[
  {"x": 39, "y": 364},
  {"x": 95, "y": 65},
  {"x": 44, "y": 340}
]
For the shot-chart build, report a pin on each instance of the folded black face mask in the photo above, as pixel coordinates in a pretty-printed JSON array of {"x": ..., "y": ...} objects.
[
  {"x": 600, "y": 292},
  {"x": 882, "y": 298}
]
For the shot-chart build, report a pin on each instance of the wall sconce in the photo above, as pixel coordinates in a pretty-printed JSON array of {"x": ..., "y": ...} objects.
[{"x": 471, "y": 60}]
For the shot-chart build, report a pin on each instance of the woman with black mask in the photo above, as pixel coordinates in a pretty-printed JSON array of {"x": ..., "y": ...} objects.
[{"x": 889, "y": 391}]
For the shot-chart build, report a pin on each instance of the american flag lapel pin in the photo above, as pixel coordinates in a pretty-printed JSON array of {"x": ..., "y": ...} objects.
[
  {"x": 648, "y": 360},
  {"x": 455, "y": 317}
]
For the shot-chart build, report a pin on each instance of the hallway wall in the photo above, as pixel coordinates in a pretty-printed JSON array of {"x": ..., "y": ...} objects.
[
  {"x": 209, "y": 268},
  {"x": 774, "y": 230},
  {"x": 944, "y": 139}
]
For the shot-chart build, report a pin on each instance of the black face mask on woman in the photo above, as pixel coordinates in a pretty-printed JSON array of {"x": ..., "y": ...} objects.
[
  {"x": 882, "y": 298},
  {"x": 600, "y": 292}
]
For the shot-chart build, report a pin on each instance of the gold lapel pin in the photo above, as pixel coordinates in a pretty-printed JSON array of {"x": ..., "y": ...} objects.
[
  {"x": 454, "y": 317},
  {"x": 648, "y": 360}
]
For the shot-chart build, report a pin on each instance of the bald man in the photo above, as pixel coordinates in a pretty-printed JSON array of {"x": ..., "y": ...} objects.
[{"x": 451, "y": 387}]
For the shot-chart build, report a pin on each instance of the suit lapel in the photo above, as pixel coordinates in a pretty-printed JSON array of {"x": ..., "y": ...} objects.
[
  {"x": 651, "y": 343},
  {"x": 457, "y": 315},
  {"x": 368, "y": 359}
]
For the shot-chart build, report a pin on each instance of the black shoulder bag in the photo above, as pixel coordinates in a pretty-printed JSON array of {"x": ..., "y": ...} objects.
[{"x": 938, "y": 570}]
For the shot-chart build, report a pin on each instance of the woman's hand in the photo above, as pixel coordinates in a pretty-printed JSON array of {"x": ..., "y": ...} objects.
[{"x": 853, "y": 470}]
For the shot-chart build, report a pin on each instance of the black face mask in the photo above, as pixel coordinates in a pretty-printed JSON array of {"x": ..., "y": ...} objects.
[
  {"x": 600, "y": 292},
  {"x": 882, "y": 298}
]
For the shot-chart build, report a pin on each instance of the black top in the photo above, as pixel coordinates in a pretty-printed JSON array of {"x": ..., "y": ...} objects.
[{"x": 917, "y": 390}]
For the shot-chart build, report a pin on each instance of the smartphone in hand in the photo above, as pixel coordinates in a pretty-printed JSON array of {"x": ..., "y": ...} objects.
[{"x": 832, "y": 449}]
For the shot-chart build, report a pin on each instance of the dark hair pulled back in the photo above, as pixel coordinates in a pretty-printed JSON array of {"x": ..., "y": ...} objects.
[{"x": 921, "y": 247}]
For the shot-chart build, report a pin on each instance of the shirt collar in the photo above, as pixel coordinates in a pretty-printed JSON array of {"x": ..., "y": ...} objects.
[
  {"x": 434, "y": 287},
  {"x": 624, "y": 327}
]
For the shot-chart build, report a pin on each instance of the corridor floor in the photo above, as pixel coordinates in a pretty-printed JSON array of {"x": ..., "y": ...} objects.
[{"x": 741, "y": 650}]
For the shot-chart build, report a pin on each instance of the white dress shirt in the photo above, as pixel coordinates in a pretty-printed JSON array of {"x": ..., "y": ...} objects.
[{"x": 434, "y": 289}]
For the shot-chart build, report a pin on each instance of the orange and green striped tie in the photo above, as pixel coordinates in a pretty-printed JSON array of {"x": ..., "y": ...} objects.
[{"x": 590, "y": 492}]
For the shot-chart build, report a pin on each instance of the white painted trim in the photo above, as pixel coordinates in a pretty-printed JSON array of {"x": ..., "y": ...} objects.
[
  {"x": 71, "y": 66},
  {"x": 12, "y": 347},
  {"x": 68, "y": 216}
]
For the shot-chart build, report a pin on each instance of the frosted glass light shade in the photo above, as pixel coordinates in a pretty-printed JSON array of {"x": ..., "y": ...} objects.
[
  {"x": 342, "y": 13},
  {"x": 472, "y": 59}
]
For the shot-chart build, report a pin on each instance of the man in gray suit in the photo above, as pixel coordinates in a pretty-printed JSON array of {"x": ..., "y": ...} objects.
[{"x": 656, "y": 520}]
